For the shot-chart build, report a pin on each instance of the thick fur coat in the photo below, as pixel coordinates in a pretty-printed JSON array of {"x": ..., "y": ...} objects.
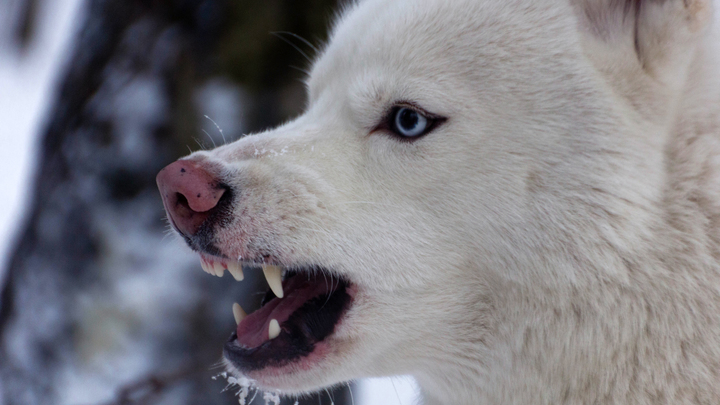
[{"x": 555, "y": 239}]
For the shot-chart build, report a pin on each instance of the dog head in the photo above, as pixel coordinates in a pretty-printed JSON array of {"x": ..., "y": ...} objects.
[{"x": 449, "y": 149}]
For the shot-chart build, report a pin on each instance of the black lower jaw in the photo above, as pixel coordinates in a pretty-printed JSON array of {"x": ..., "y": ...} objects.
[{"x": 299, "y": 334}]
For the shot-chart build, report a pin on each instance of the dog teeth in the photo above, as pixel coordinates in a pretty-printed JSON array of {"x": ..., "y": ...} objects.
[
  {"x": 273, "y": 274},
  {"x": 218, "y": 269},
  {"x": 236, "y": 270},
  {"x": 206, "y": 267},
  {"x": 273, "y": 329},
  {"x": 238, "y": 312}
]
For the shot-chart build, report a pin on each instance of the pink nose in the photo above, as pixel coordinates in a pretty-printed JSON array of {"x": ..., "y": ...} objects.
[{"x": 189, "y": 194}]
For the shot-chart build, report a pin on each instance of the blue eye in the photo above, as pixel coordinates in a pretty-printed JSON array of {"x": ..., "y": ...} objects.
[{"x": 409, "y": 123}]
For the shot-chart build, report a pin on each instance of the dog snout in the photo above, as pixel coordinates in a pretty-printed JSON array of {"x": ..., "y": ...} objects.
[{"x": 190, "y": 194}]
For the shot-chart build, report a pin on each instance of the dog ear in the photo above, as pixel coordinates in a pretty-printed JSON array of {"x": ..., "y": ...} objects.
[{"x": 659, "y": 34}]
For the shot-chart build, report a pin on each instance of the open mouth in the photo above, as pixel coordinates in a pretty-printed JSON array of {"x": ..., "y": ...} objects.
[{"x": 302, "y": 308}]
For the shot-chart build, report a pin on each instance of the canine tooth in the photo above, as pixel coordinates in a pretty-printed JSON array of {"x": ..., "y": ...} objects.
[
  {"x": 273, "y": 274},
  {"x": 236, "y": 270},
  {"x": 238, "y": 313},
  {"x": 218, "y": 269},
  {"x": 273, "y": 329}
]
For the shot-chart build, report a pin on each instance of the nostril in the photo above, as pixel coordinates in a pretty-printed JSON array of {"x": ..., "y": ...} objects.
[
  {"x": 226, "y": 194},
  {"x": 182, "y": 202},
  {"x": 190, "y": 194}
]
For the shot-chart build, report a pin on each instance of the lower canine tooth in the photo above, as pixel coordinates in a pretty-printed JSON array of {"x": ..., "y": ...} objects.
[
  {"x": 273, "y": 274},
  {"x": 273, "y": 329},
  {"x": 236, "y": 270},
  {"x": 238, "y": 313}
]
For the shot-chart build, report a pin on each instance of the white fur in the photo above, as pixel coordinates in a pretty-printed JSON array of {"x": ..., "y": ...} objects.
[{"x": 556, "y": 240}]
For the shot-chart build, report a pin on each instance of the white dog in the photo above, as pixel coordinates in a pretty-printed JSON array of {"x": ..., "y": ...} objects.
[{"x": 515, "y": 201}]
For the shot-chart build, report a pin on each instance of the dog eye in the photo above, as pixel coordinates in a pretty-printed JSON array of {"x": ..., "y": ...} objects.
[{"x": 409, "y": 123}]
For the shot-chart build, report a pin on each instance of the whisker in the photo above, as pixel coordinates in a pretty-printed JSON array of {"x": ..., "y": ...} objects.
[
  {"x": 392, "y": 380},
  {"x": 287, "y": 41},
  {"x": 202, "y": 147},
  {"x": 253, "y": 397},
  {"x": 218, "y": 128},
  {"x": 211, "y": 138},
  {"x": 331, "y": 290},
  {"x": 217, "y": 364},
  {"x": 352, "y": 398},
  {"x": 306, "y": 72},
  {"x": 305, "y": 41}
]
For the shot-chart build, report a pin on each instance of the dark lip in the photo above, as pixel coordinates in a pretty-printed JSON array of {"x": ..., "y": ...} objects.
[
  {"x": 203, "y": 241},
  {"x": 269, "y": 354},
  {"x": 311, "y": 324}
]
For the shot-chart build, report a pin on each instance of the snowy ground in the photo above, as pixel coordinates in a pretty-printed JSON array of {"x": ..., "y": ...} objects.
[{"x": 27, "y": 82}]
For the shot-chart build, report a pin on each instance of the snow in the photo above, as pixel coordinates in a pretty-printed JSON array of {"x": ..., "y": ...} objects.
[
  {"x": 402, "y": 390},
  {"x": 271, "y": 398},
  {"x": 27, "y": 81},
  {"x": 399, "y": 390}
]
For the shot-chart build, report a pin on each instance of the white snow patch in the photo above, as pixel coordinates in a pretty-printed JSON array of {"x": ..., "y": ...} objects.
[
  {"x": 271, "y": 398},
  {"x": 402, "y": 390},
  {"x": 243, "y": 383}
]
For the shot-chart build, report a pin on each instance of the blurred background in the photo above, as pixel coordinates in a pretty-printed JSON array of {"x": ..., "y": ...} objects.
[{"x": 99, "y": 303}]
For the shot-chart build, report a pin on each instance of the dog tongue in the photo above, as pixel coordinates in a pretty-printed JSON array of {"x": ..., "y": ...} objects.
[{"x": 253, "y": 330}]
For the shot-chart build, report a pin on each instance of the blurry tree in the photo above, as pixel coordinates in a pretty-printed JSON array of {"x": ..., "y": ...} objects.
[{"x": 97, "y": 305}]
